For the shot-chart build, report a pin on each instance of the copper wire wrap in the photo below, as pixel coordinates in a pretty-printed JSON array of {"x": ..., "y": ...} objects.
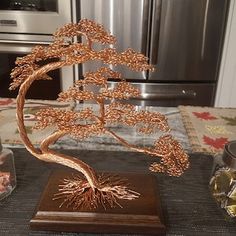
[{"x": 85, "y": 123}]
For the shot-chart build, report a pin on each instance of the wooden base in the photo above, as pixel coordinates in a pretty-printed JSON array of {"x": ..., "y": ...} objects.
[{"x": 140, "y": 216}]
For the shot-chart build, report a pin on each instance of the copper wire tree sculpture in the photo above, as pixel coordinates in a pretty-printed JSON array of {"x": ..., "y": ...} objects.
[{"x": 92, "y": 189}]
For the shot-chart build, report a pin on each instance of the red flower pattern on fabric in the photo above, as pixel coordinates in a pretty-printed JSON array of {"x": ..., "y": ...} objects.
[
  {"x": 204, "y": 115},
  {"x": 217, "y": 143}
]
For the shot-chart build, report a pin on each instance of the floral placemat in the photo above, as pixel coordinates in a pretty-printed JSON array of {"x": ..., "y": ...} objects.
[
  {"x": 208, "y": 128},
  {"x": 8, "y": 127}
]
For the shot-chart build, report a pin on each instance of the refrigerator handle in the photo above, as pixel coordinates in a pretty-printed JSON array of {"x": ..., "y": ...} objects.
[
  {"x": 145, "y": 26},
  {"x": 204, "y": 30},
  {"x": 155, "y": 31}
]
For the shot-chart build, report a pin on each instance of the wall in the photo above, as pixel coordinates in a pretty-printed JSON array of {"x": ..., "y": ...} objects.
[{"x": 226, "y": 89}]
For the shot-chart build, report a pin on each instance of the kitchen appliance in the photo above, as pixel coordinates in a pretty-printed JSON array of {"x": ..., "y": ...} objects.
[
  {"x": 24, "y": 24},
  {"x": 182, "y": 38},
  {"x": 41, "y": 89},
  {"x": 40, "y": 17}
]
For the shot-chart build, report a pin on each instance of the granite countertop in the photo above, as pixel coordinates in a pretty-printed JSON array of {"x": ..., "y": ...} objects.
[{"x": 128, "y": 133}]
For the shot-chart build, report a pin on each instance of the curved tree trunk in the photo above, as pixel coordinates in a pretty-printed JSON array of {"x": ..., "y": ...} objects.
[
  {"x": 45, "y": 154},
  {"x": 74, "y": 163}
]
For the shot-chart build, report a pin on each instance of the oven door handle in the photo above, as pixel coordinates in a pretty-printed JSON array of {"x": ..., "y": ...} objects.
[
  {"x": 14, "y": 46},
  {"x": 24, "y": 42},
  {"x": 184, "y": 94}
]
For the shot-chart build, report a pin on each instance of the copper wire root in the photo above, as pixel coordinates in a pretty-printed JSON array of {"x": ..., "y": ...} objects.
[{"x": 76, "y": 192}]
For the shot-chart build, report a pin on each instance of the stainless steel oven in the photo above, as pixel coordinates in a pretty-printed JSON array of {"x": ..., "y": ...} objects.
[
  {"x": 33, "y": 16},
  {"x": 41, "y": 89},
  {"x": 24, "y": 24}
]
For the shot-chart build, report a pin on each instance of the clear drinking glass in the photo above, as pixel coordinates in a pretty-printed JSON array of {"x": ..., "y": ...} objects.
[{"x": 7, "y": 172}]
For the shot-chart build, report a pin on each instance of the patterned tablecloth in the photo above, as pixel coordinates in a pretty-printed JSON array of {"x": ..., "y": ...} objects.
[
  {"x": 8, "y": 126},
  {"x": 199, "y": 129},
  {"x": 209, "y": 129}
]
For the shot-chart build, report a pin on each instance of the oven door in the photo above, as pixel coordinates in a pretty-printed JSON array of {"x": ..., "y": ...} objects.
[
  {"x": 41, "y": 89},
  {"x": 33, "y": 16}
]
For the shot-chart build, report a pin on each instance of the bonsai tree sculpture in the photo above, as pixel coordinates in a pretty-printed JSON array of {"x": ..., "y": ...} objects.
[{"x": 92, "y": 189}]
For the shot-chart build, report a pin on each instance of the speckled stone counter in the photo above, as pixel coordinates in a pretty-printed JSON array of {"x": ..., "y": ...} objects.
[{"x": 128, "y": 133}]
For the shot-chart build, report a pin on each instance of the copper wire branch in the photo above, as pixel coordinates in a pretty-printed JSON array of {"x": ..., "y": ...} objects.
[{"x": 91, "y": 190}]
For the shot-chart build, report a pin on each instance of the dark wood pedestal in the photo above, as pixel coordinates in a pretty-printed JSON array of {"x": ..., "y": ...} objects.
[{"x": 140, "y": 216}]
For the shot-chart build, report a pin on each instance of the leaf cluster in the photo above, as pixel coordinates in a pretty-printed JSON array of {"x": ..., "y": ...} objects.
[
  {"x": 81, "y": 125},
  {"x": 146, "y": 122},
  {"x": 93, "y": 31},
  {"x": 80, "y": 91},
  {"x": 174, "y": 160}
]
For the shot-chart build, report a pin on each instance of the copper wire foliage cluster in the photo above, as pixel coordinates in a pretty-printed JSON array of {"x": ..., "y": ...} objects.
[{"x": 92, "y": 189}]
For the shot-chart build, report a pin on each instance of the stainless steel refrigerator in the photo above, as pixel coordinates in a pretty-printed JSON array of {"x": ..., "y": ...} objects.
[{"x": 182, "y": 38}]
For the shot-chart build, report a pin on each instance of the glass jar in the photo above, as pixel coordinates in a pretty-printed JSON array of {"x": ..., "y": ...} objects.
[
  {"x": 223, "y": 180},
  {"x": 7, "y": 172}
]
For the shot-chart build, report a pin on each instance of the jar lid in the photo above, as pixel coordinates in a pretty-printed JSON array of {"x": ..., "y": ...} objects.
[{"x": 229, "y": 154}]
